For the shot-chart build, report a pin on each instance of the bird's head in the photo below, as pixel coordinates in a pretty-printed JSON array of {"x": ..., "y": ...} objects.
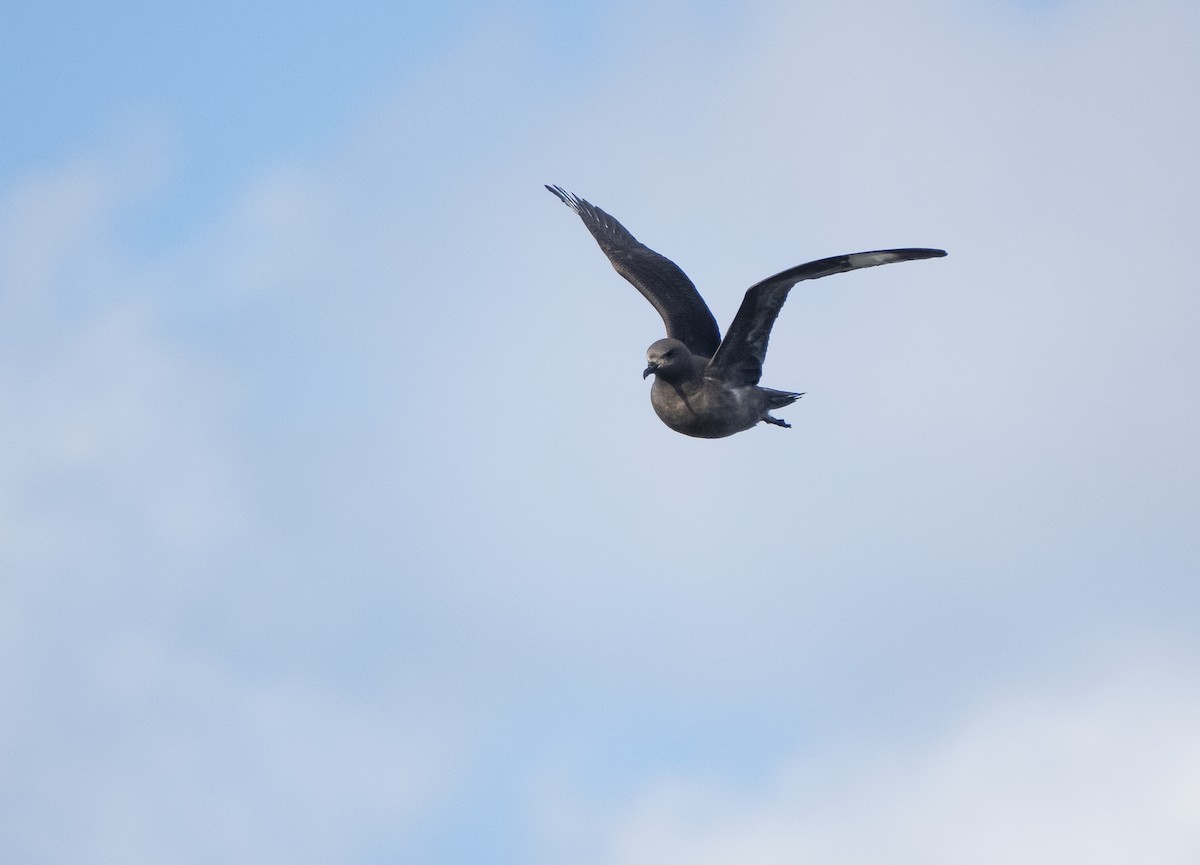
[{"x": 670, "y": 360}]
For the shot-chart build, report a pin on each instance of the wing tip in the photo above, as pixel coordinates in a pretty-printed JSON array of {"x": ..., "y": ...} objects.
[
  {"x": 919, "y": 252},
  {"x": 593, "y": 216},
  {"x": 570, "y": 199},
  {"x": 892, "y": 256}
]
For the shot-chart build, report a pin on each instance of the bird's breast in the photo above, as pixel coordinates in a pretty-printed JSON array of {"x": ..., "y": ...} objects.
[{"x": 705, "y": 409}]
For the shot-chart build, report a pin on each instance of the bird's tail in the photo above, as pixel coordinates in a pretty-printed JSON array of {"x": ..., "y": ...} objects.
[{"x": 779, "y": 398}]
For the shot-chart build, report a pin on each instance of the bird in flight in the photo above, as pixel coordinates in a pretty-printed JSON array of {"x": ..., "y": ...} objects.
[{"x": 705, "y": 386}]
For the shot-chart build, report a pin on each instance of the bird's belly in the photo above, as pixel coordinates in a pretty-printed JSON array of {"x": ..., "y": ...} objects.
[{"x": 704, "y": 412}]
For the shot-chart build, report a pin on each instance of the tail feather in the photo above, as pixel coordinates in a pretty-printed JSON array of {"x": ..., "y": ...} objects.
[{"x": 779, "y": 398}]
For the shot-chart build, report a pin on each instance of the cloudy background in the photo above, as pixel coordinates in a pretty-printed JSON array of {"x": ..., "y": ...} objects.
[{"x": 335, "y": 524}]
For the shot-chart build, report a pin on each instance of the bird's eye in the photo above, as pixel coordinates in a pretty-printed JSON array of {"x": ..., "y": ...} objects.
[{"x": 670, "y": 353}]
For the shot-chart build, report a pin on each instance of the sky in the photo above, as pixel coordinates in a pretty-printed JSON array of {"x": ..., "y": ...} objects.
[{"x": 335, "y": 524}]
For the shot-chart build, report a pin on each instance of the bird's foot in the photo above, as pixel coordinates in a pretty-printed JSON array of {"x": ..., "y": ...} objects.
[{"x": 777, "y": 421}]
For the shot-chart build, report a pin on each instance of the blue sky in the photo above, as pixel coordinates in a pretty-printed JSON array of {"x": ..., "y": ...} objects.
[{"x": 335, "y": 524}]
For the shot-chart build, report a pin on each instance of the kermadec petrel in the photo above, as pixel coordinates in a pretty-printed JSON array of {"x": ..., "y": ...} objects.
[{"x": 706, "y": 386}]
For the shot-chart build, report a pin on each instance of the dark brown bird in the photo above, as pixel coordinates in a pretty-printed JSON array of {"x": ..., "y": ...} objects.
[{"x": 706, "y": 386}]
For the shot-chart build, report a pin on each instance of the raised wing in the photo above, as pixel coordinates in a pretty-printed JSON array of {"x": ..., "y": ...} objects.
[
  {"x": 740, "y": 357},
  {"x": 660, "y": 281}
]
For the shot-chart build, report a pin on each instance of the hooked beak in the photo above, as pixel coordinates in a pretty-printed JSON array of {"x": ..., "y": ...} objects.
[{"x": 653, "y": 367}]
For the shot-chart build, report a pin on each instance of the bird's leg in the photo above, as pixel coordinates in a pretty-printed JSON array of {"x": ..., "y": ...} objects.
[{"x": 777, "y": 421}]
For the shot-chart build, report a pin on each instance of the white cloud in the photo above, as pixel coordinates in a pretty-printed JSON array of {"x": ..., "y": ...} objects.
[
  {"x": 171, "y": 758},
  {"x": 111, "y": 438},
  {"x": 133, "y": 730},
  {"x": 1105, "y": 775}
]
